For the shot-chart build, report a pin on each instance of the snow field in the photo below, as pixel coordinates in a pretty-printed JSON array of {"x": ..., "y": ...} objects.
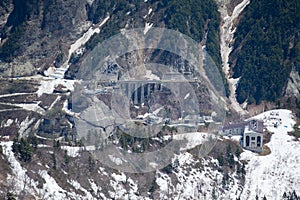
[{"x": 278, "y": 172}]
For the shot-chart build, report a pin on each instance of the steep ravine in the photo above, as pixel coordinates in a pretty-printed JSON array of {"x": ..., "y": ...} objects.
[{"x": 228, "y": 28}]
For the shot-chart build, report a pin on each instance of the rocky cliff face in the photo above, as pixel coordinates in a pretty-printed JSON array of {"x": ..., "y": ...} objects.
[
  {"x": 37, "y": 34},
  {"x": 6, "y": 8}
]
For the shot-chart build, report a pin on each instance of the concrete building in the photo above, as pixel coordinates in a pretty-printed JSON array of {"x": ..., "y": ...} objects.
[
  {"x": 251, "y": 133},
  {"x": 253, "y": 136},
  {"x": 233, "y": 129}
]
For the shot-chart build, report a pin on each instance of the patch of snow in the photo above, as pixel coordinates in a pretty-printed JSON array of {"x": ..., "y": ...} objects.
[
  {"x": 193, "y": 139},
  {"x": 85, "y": 38},
  {"x": 293, "y": 85},
  {"x": 36, "y": 126},
  {"x": 48, "y": 85},
  {"x": 54, "y": 102},
  {"x": 181, "y": 124},
  {"x": 72, "y": 151},
  {"x": 70, "y": 124},
  {"x": 19, "y": 179},
  {"x": 185, "y": 158},
  {"x": 149, "y": 12},
  {"x": 228, "y": 30},
  {"x": 236, "y": 138},
  {"x": 77, "y": 186},
  {"x": 43, "y": 146},
  {"x": 95, "y": 188},
  {"x": 8, "y": 123},
  {"x": 234, "y": 104},
  {"x": 119, "y": 191},
  {"x": 118, "y": 185},
  {"x": 149, "y": 75},
  {"x": 117, "y": 161},
  {"x": 158, "y": 110},
  {"x": 57, "y": 74},
  {"x": 51, "y": 190},
  {"x": 66, "y": 110},
  {"x": 44, "y": 138},
  {"x": 147, "y": 27},
  {"x": 193, "y": 182},
  {"x": 14, "y": 94},
  {"x": 153, "y": 164},
  {"x": 6, "y": 137},
  {"x": 13, "y": 109},
  {"x": 90, "y": 2},
  {"x": 133, "y": 186},
  {"x": 24, "y": 126},
  {"x": 104, "y": 21},
  {"x": 187, "y": 96},
  {"x": 49, "y": 71},
  {"x": 29, "y": 106},
  {"x": 121, "y": 177},
  {"x": 102, "y": 171},
  {"x": 164, "y": 182}
]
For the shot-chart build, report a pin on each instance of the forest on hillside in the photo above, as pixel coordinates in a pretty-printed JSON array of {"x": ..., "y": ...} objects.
[
  {"x": 187, "y": 16},
  {"x": 266, "y": 49},
  {"x": 199, "y": 20}
]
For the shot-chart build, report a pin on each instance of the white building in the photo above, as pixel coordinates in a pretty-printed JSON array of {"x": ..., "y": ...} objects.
[
  {"x": 251, "y": 133},
  {"x": 253, "y": 136}
]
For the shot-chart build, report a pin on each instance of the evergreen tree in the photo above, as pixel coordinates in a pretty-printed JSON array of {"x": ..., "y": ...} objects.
[
  {"x": 56, "y": 144},
  {"x": 22, "y": 149},
  {"x": 91, "y": 163},
  {"x": 66, "y": 157},
  {"x": 284, "y": 196},
  {"x": 10, "y": 196},
  {"x": 53, "y": 160}
]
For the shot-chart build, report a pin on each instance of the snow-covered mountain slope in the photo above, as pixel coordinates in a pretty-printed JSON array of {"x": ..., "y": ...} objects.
[
  {"x": 198, "y": 179},
  {"x": 187, "y": 177},
  {"x": 273, "y": 174}
]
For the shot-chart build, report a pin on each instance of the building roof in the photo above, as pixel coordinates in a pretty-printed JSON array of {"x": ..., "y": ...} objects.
[
  {"x": 253, "y": 125},
  {"x": 256, "y": 125},
  {"x": 234, "y": 125}
]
